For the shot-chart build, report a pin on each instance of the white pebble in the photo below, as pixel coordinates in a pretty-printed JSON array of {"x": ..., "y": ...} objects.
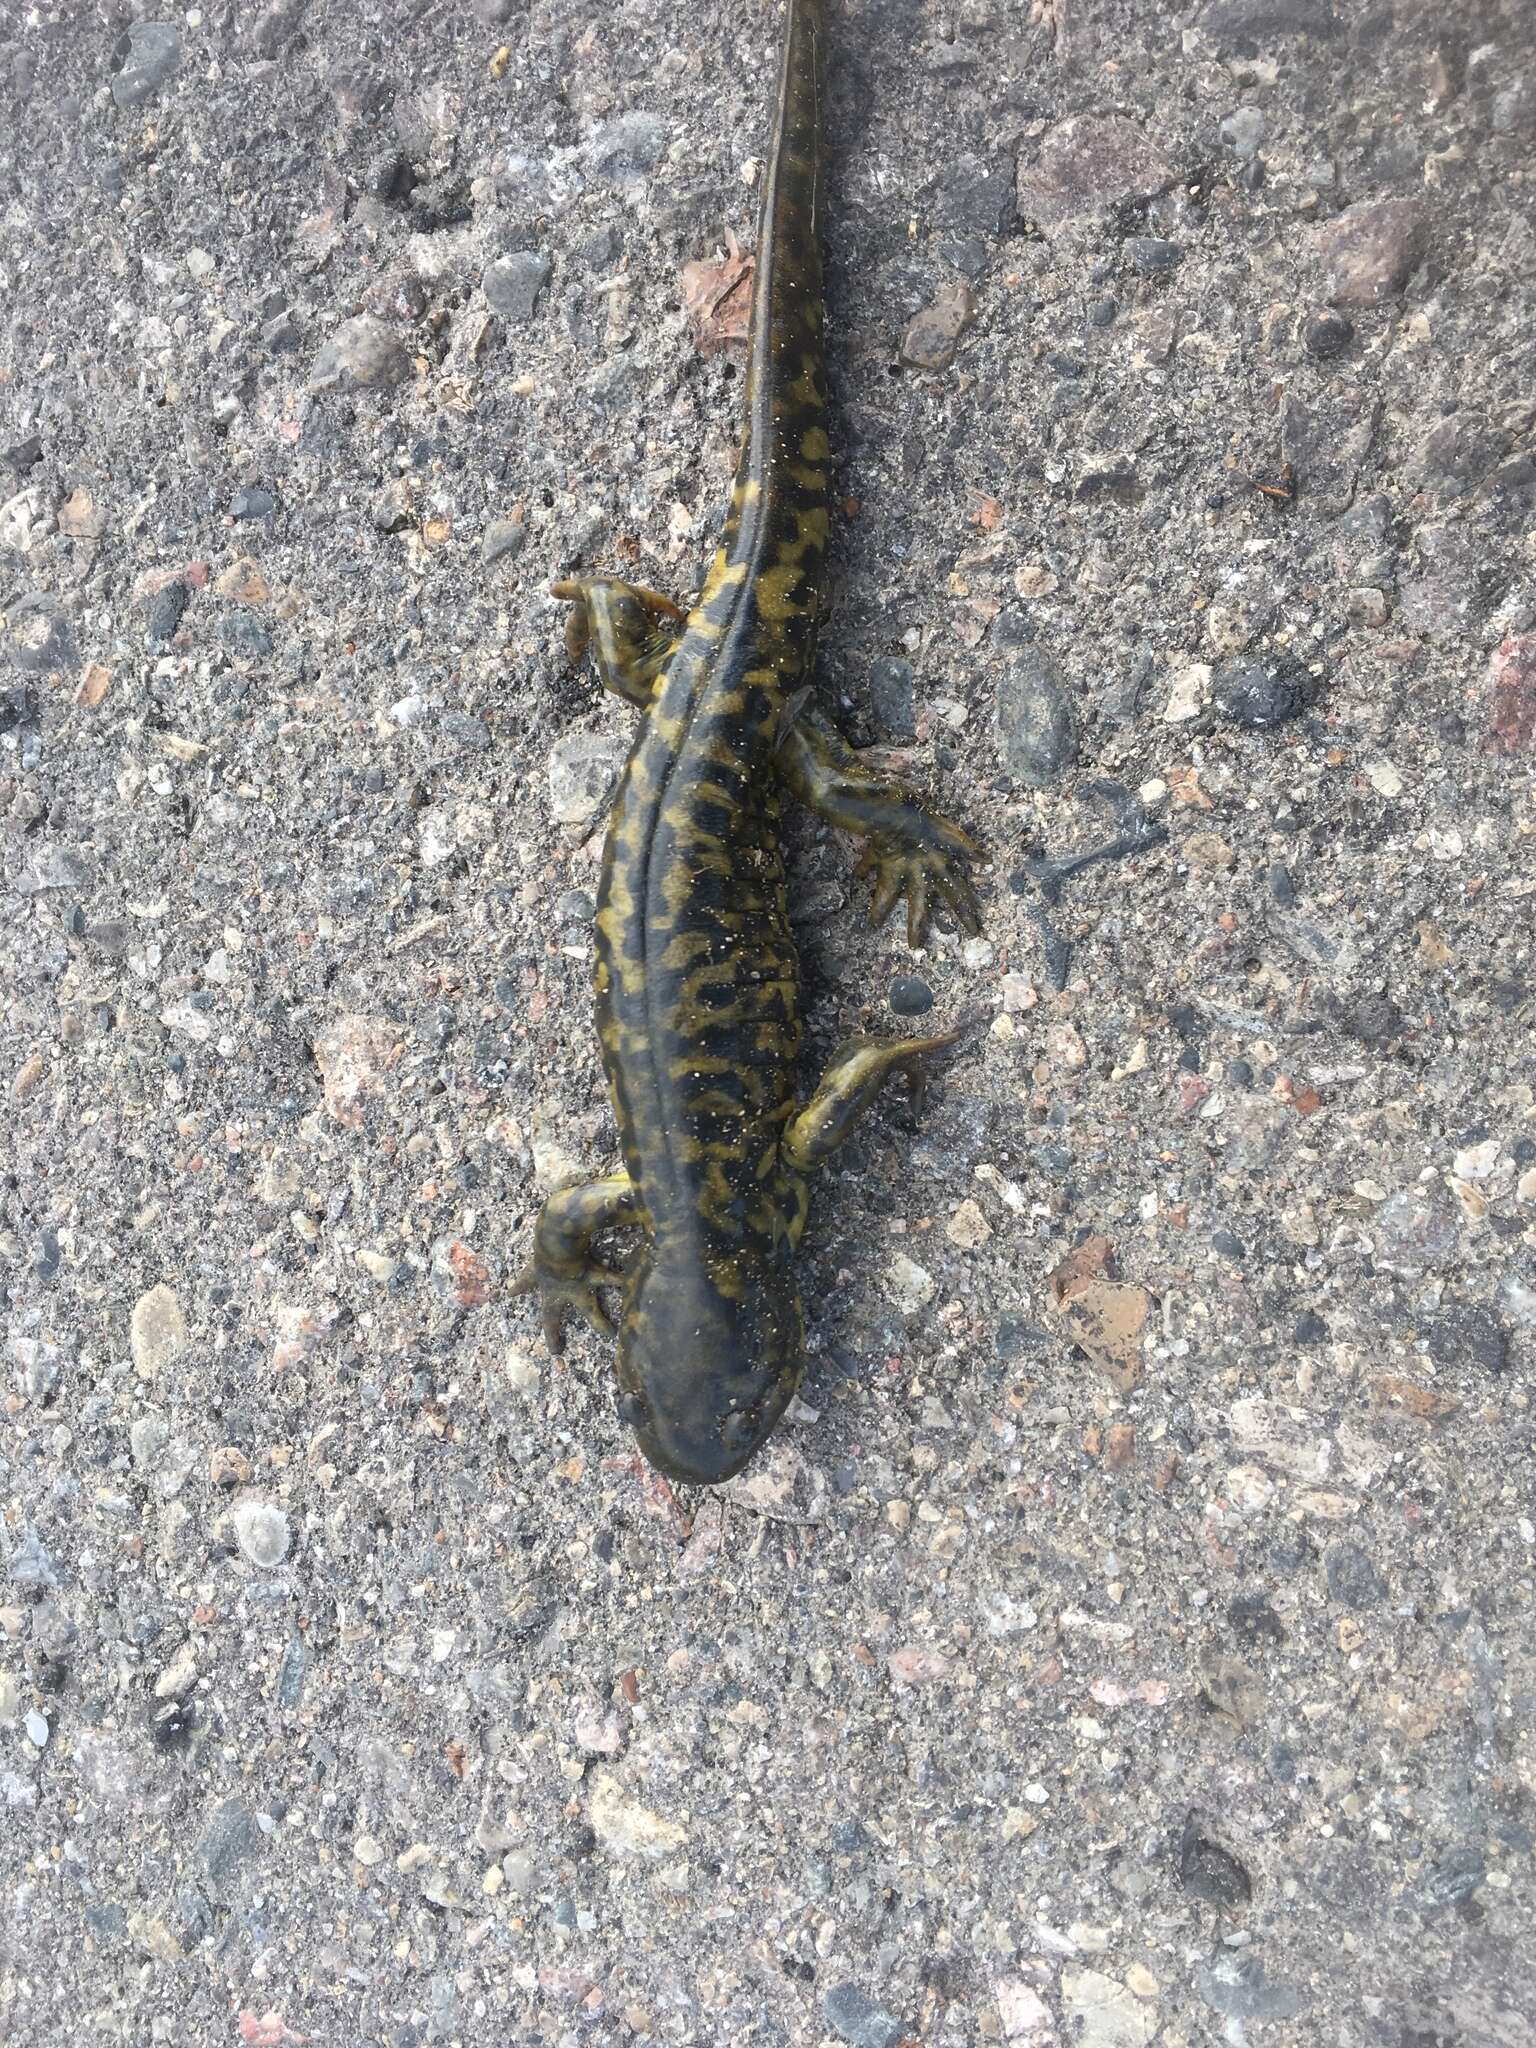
[{"x": 261, "y": 1531}]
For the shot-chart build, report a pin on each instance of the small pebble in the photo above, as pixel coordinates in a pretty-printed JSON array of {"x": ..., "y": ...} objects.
[
  {"x": 1465, "y": 1335},
  {"x": 503, "y": 540},
  {"x": 1353, "y": 1579},
  {"x": 1260, "y": 695},
  {"x": 1034, "y": 721},
  {"x": 1086, "y": 166},
  {"x": 1152, "y": 256},
  {"x": 512, "y": 284},
  {"x": 261, "y": 1531},
  {"x": 891, "y": 698},
  {"x": 1243, "y": 130},
  {"x": 910, "y": 995},
  {"x": 1372, "y": 249},
  {"x": 154, "y": 55},
  {"x": 157, "y": 1331},
  {"x": 933, "y": 336},
  {"x": 363, "y": 353},
  {"x": 855, "y": 2018}
]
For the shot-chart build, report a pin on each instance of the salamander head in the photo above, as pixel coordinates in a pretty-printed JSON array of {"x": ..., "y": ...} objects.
[{"x": 704, "y": 1376}]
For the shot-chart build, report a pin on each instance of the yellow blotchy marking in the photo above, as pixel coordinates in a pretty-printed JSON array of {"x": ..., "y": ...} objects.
[
  {"x": 803, "y": 391},
  {"x": 726, "y": 1279},
  {"x": 815, "y": 446},
  {"x": 684, "y": 950},
  {"x": 809, "y": 479},
  {"x": 716, "y": 1102},
  {"x": 689, "y": 1066},
  {"x": 814, "y": 525},
  {"x": 775, "y": 589}
]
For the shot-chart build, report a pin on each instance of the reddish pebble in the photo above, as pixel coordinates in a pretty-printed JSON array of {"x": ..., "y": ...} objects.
[{"x": 1512, "y": 700}]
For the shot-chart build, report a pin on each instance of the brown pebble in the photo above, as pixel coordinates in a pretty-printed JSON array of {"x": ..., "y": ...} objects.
[
  {"x": 934, "y": 335},
  {"x": 1120, "y": 1446},
  {"x": 228, "y": 1466}
]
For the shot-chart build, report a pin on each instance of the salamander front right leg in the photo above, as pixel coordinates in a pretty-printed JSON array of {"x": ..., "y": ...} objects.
[
  {"x": 563, "y": 1270},
  {"x": 630, "y": 630}
]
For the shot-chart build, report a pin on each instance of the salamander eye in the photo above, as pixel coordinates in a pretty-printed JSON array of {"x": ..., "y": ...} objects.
[{"x": 632, "y": 1410}]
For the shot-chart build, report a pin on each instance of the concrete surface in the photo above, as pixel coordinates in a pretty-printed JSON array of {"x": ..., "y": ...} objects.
[{"x": 1130, "y": 1638}]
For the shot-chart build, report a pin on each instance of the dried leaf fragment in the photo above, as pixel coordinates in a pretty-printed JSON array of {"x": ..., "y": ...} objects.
[{"x": 717, "y": 297}]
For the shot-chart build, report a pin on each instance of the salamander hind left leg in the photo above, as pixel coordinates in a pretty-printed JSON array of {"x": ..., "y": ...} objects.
[
  {"x": 630, "y": 630},
  {"x": 909, "y": 851},
  {"x": 856, "y": 1073}
]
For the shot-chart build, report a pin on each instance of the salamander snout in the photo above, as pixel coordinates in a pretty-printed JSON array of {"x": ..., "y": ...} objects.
[{"x": 704, "y": 1380}]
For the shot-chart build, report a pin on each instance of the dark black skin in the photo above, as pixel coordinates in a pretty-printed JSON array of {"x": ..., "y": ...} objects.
[{"x": 697, "y": 979}]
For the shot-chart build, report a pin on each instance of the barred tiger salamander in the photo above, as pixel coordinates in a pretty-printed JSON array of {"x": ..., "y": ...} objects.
[{"x": 696, "y": 974}]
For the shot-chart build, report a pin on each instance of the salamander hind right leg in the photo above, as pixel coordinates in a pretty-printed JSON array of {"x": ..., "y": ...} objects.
[
  {"x": 856, "y": 1073},
  {"x": 630, "y": 630},
  {"x": 563, "y": 1270}
]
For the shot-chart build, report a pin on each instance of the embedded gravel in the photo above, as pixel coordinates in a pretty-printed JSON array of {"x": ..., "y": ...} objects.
[{"x": 1128, "y": 1639}]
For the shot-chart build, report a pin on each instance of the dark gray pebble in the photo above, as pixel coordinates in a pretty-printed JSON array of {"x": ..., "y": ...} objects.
[
  {"x": 967, "y": 253},
  {"x": 362, "y": 352},
  {"x": 154, "y": 54},
  {"x": 600, "y": 251},
  {"x": 1471, "y": 1336},
  {"x": 254, "y": 502},
  {"x": 1378, "y": 1020},
  {"x": 279, "y": 335},
  {"x": 1352, "y": 1578},
  {"x": 975, "y": 197},
  {"x": 855, "y": 2018},
  {"x": 1151, "y": 255},
  {"x": 1102, "y": 312},
  {"x": 1210, "y": 1872},
  {"x": 165, "y": 610},
  {"x": 1034, "y": 722},
  {"x": 1238, "y": 1984},
  {"x": 1254, "y": 1620},
  {"x": 246, "y": 636},
  {"x": 1229, "y": 1246},
  {"x": 512, "y": 284},
  {"x": 891, "y": 697},
  {"x": 1259, "y": 695},
  {"x": 465, "y": 730},
  {"x": 37, "y": 636},
  {"x": 575, "y": 907},
  {"x": 910, "y": 995},
  {"x": 1310, "y": 1328},
  {"x": 1327, "y": 335},
  {"x": 229, "y": 1835}
]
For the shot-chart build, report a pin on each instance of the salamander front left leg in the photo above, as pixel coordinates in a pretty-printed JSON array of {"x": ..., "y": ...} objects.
[
  {"x": 909, "y": 850},
  {"x": 563, "y": 1270},
  {"x": 858, "y": 1071},
  {"x": 631, "y": 631}
]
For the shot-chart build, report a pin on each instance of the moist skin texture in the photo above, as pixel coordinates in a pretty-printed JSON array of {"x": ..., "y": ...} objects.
[{"x": 697, "y": 979}]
